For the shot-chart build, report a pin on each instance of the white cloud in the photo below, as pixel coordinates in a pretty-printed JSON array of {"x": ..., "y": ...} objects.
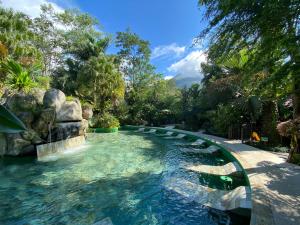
[
  {"x": 168, "y": 77},
  {"x": 190, "y": 66},
  {"x": 29, "y": 7},
  {"x": 166, "y": 50}
]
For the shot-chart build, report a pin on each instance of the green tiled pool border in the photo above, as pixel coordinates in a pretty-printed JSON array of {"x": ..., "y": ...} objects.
[{"x": 103, "y": 130}]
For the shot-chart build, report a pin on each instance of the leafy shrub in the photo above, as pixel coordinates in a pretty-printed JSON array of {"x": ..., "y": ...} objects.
[
  {"x": 223, "y": 117},
  {"x": 105, "y": 121},
  {"x": 69, "y": 98},
  {"x": 43, "y": 82},
  {"x": 18, "y": 77}
]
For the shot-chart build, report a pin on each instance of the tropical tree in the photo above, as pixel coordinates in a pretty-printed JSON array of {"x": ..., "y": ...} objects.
[
  {"x": 17, "y": 36},
  {"x": 101, "y": 83},
  {"x": 271, "y": 28},
  {"x": 134, "y": 56}
]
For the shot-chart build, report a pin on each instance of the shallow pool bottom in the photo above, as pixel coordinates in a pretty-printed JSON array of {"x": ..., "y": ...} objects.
[{"x": 120, "y": 175}]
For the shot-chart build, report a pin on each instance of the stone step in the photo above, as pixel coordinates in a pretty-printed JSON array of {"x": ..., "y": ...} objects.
[
  {"x": 223, "y": 200},
  {"x": 169, "y": 133},
  {"x": 151, "y": 131},
  {"x": 195, "y": 143},
  {"x": 105, "y": 221},
  {"x": 227, "y": 169},
  {"x": 198, "y": 142},
  {"x": 179, "y": 136},
  {"x": 140, "y": 130},
  {"x": 211, "y": 149}
]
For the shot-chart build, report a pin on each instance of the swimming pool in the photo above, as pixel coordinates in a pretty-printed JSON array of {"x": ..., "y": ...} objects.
[{"x": 122, "y": 176}]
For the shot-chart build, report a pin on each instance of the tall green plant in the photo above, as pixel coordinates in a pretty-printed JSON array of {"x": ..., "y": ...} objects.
[{"x": 17, "y": 77}]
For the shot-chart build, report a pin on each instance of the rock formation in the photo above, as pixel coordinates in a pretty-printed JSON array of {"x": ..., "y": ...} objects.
[{"x": 48, "y": 116}]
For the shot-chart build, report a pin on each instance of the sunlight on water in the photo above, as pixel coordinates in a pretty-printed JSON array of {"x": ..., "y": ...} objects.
[{"x": 121, "y": 176}]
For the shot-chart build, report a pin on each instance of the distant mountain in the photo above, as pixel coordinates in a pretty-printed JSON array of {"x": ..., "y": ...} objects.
[{"x": 186, "y": 81}]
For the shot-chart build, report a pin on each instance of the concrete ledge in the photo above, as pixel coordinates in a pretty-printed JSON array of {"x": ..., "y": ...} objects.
[
  {"x": 209, "y": 150},
  {"x": 227, "y": 169},
  {"x": 239, "y": 198}
]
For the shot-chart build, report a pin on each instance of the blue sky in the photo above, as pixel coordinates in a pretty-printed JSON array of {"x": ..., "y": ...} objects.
[{"x": 169, "y": 25}]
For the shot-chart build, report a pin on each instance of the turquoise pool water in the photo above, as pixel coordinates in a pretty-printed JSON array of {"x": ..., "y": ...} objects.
[{"x": 120, "y": 175}]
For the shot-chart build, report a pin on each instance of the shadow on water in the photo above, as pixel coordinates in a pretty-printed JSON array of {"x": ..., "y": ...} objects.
[{"x": 126, "y": 200}]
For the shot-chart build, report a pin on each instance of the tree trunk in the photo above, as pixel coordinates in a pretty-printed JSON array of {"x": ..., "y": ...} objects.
[
  {"x": 269, "y": 121},
  {"x": 296, "y": 97},
  {"x": 294, "y": 147}
]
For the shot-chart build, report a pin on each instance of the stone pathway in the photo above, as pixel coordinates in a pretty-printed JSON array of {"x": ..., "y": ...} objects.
[{"x": 275, "y": 184}]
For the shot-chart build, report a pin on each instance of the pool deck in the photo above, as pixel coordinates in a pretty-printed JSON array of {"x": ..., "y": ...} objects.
[{"x": 275, "y": 184}]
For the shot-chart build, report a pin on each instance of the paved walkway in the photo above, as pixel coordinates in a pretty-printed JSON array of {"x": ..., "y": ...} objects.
[{"x": 275, "y": 184}]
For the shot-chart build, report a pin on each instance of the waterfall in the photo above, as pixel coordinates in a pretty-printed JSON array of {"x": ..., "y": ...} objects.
[
  {"x": 49, "y": 132},
  {"x": 59, "y": 147}
]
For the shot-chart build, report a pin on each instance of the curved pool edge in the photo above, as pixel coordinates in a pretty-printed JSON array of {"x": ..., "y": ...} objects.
[
  {"x": 229, "y": 153},
  {"x": 226, "y": 151},
  {"x": 104, "y": 130},
  {"x": 275, "y": 193}
]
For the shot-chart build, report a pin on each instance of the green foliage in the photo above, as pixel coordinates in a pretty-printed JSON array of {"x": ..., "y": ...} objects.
[
  {"x": 224, "y": 117},
  {"x": 18, "y": 77},
  {"x": 133, "y": 57},
  {"x": 43, "y": 82},
  {"x": 9, "y": 123},
  {"x": 69, "y": 98},
  {"x": 16, "y": 35},
  {"x": 269, "y": 30},
  {"x": 101, "y": 83},
  {"x": 254, "y": 107},
  {"x": 105, "y": 120}
]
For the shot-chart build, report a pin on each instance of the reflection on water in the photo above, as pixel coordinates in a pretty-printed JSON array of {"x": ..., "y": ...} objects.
[{"x": 119, "y": 175}]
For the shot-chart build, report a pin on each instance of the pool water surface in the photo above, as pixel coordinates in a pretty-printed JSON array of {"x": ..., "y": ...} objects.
[{"x": 119, "y": 175}]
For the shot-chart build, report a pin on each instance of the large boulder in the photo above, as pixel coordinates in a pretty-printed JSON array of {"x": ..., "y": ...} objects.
[
  {"x": 70, "y": 111},
  {"x": 68, "y": 129},
  {"x": 22, "y": 102},
  {"x": 43, "y": 123},
  {"x": 32, "y": 136},
  {"x": 38, "y": 94},
  {"x": 47, "y": 116},
  {"x": 25, "y": 106},
  {"x": 17, "y": 146},
  {"x": 84, "y": 127},
  {"x": 87, "y": 112},
  {"x": 54, "y": 98},
  {"x": 26, "y": 117}
]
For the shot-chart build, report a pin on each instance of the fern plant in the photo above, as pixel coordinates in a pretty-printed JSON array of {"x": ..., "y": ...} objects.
[{"x": 18, "y": 77}]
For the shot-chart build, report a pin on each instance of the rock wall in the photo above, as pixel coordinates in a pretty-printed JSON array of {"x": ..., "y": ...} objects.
[{"x": 48, "y": 116}]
